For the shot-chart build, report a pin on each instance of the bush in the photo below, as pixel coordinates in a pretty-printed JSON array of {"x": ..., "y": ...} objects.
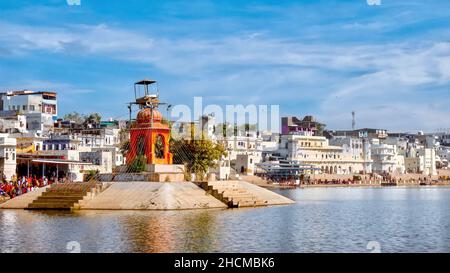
[{"x": 138, "y": 165}]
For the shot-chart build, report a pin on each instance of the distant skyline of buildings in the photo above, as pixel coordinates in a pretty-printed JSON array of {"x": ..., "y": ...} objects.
[{"x": 35, "y": 140}]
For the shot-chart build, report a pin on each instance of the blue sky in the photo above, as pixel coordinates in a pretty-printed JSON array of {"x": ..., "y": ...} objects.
[{"x": 390, "y": 63}]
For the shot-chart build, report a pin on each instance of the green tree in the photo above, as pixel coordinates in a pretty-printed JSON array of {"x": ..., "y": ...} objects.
[
  {"x": 320, "y": 127},
  {"x": 92, "y": 118},
  {"x": 79, "y": 118},
  {"x": 74, "y": 116},
  {"x": 197, "y": 155}
]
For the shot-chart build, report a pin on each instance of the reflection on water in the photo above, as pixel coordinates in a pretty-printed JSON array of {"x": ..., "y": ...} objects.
[{"x": 322, "y": 220}]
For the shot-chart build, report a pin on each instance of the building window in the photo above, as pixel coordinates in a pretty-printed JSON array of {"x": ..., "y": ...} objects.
[
  {"x": 32, "y": 108},
  {"x": 24, "y": 108}
]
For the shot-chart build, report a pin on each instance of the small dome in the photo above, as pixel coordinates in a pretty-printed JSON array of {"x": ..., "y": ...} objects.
[{"x": 145, "y": 115}]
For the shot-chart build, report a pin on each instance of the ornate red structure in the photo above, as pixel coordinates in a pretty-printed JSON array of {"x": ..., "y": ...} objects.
[{"x": 150, "y": 137}]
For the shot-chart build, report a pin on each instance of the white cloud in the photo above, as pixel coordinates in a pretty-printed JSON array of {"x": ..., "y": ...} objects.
[{"x": 389, "y": 85}]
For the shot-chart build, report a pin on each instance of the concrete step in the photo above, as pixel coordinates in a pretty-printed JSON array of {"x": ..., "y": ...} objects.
[
  {"x": 233, "y": 194},
  {"x": 63, "y": 196},
  {"x": 255, "y": 203},
  {"x": 240, "y": 195},
  {"x": 66, "y": 200},
  {"x": 50, "y": 206},
  {"x": 230, "y": 189},
  {"x": 68, "y": 190},
  {"x": 225, "y": 187},
  {"x": 243, "y": 199},
  {"x": 59, "y": 195}
]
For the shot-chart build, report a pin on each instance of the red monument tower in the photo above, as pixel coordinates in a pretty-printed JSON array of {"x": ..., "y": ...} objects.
[{"x": 149, "y": 135}]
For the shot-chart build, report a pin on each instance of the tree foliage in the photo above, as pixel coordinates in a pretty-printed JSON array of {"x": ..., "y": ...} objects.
[
  {"x": 92, "y": 118},
  {"x": 320, "y": 128},
  {"x": 74, "y": 116},
  {"x": 80, "y": 118},
  {"x": 138, "y": 165},
  {"x": 197, "y": 155}
]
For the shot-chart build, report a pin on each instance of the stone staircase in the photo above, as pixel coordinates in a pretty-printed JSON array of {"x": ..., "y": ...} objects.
[
  {"x": 232, "y": 194},
  {"x": 64, "y": 196}
]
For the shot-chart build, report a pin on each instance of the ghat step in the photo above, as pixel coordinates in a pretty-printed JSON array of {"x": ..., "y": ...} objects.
[
  {"x": 63, "y": 196},
  {"x": 232, "y": 194}
]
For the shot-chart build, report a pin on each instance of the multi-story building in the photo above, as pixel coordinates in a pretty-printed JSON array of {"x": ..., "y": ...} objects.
[
  {"x": 248, "y": 143},
  {"x": 444, "y": 155},
  {"x": 386, "y": 158},
  {"x": 7, "y": 156},
  {"x": 30, "y": 102},
  {"x": 444, "y": 139},
  {"x": 423, "y": 161},
  {"x": 10, "y": 122},
  {"x": 39, "y": 108},
  {"x": 357, "y": 149},
  {"x": 316, "y": 151}
]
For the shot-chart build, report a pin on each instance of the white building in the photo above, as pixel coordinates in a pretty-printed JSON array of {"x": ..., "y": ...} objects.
[
  {"x": 102, "y": 160},
  {"x": 30, "y": 102},
  {"x": 7, "y": 156},
  {"x": 424, "y": 162},
  {"x": 246, "y": 163},
  {"x": 249, "y": 143},
  {"x": 355, "y": 149},
  {"x": 13, "y": 123},
  {"x": 304, "y": 147},
  {"x": 270, "y": 141},
  {"x": 39, "y": 108},
  {"x": 444, "y": 154},
  {"x": 386, "y": 158},
  {"x": 41, "y": 123}
]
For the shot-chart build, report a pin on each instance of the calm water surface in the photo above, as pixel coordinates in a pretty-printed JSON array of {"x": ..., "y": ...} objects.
[{"x": 322, "y": 220}]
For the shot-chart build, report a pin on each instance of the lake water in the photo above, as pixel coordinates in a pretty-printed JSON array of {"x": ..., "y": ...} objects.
[{"x": 322, "y": 220}]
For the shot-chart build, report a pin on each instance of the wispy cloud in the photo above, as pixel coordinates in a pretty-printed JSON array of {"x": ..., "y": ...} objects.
[{"x": 392, "y": 83}]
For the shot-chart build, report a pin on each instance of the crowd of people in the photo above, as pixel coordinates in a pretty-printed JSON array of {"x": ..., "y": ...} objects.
[{"x": 22, "y": 185}]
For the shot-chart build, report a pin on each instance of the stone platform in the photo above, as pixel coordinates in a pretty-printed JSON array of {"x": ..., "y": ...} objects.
[
  {"x": 151, "y": 196},
  {"x": 158, "y": 196}
]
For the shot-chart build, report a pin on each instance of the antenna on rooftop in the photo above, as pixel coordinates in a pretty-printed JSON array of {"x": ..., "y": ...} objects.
[{"x": 353, "y": 120}]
